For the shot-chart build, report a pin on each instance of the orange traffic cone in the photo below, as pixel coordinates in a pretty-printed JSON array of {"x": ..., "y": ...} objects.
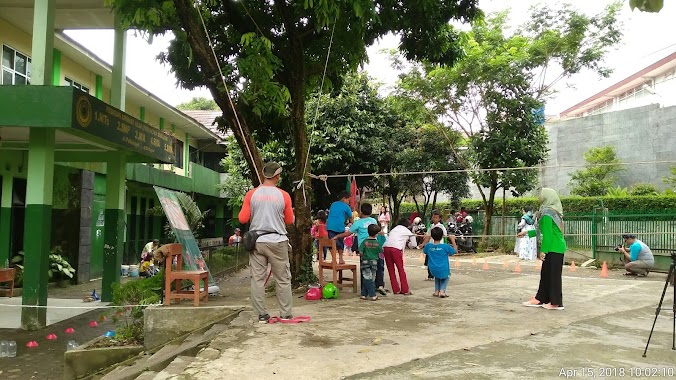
[
  {"x": 604, "y": 270},
  {"x": 457, "y": 263},
  {"x": 474, "y": 262},
  {"x": 505, "y": 264},
  {"x": 538, "y": 264},
  {"x": 517, "y": 268},
  {"x": 573, "y": 268},
  {"x": 485, "y": 267}
]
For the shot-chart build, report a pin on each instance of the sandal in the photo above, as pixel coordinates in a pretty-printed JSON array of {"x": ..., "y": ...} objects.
[
  {"x": 435, "y": 294},
  {"x": 363, "y": 298},
  {"x": 443, "y": 295},
  {"x": 376, "y": 298}
]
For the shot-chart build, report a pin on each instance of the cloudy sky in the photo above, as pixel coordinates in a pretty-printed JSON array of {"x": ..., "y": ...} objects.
[{"x": 647, "y": 38}]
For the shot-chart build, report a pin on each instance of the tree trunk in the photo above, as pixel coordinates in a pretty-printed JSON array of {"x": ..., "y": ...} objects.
[
  {"x": 490, "y": 205},
  {"x": 434, "y": 201}
]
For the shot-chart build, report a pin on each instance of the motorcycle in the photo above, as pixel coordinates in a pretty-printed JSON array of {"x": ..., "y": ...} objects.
[{"x": 463, "y": 236}]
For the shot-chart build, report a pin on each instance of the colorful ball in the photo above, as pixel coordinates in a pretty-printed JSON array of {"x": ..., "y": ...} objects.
[{"x": 330, "y": 291}]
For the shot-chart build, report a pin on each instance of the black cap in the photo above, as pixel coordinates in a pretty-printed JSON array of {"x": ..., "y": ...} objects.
[{"x": 628, "y": 236}]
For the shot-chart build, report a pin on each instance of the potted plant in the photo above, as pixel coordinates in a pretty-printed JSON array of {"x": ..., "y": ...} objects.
[{"x": 60, "y": 270}]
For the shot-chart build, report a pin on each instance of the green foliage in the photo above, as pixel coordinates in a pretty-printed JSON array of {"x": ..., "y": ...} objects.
[
  {"x": 652, "y": 6},
  {"x": 199, "y": 103},
  {"x": 59, "y": 267},
  {"x": 642, "y": 189},
  {"x": 671, "y": 180},
  {"x": 139, "y": 293},
  {"x": 235, "y": 185},
  {"x": 617, "y": 192},
  {"x": 598, "y": 177}
]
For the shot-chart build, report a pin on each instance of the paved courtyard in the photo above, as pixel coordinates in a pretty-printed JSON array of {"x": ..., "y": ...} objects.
[{"x": 480, "y": 332}]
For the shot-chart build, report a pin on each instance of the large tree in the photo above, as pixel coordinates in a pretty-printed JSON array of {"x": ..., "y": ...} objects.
[
  {"x": 198, "y": 104},
  {"x": 271, "y": 55},
  {"x": 495, "y": 93}
]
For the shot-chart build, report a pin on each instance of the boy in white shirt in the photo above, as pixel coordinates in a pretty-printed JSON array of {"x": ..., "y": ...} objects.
[{"x": 393, "y": 248}]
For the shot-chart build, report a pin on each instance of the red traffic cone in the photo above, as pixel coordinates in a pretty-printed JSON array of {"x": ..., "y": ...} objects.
[
  {"x": 485, "y": 267},
  {"x": 93, "y": 324},
  {"x": 32, "y": 344},
  {"x": 604, "y": 270}
]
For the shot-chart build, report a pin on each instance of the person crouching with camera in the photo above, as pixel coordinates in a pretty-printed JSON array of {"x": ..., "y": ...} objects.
[{"x": 637, "y": 256}]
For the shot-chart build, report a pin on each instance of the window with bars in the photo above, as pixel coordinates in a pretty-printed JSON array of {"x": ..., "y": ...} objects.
[
  {"x": 79, "y": 86},
  {"x": 16, "y": 67}
]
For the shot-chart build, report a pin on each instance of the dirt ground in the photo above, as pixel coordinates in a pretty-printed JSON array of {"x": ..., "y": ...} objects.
[{"x": 481, "y": 331}]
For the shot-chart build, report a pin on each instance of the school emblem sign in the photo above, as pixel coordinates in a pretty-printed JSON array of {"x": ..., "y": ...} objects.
[{"x": 83, "y": 111}]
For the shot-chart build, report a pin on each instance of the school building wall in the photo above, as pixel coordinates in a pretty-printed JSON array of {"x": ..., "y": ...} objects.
[{"x": 79, "y": 188}]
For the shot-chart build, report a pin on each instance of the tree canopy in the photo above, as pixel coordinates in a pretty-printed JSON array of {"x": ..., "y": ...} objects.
[
  {"x": 269, "y": 56},
  {"x": 495, "y": 93},
  {"x": 199, "y": 104},
  {"x": 598, "y": 177}
]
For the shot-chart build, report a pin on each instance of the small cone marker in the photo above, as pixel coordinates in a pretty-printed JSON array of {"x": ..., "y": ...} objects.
[
  {"x": 573, "y": 268},
  {"x": 474, "y": 262},
  {"x": 517, "y": 268},
  {"x": 604, "y": 270},
  {"x": 457, "y": 263},
  {"x": 93, "y": 324},
  {"x": 32, "y": 344},
  {"x": 485, "y": 267},
  {"x": 51, "y": 337},
  {"x": 505, "y": 264},
  {"x": 70, "y": 330}
]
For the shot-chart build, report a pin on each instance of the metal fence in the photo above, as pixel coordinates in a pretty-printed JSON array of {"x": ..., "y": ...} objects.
[{"x": 601, "y": 230}]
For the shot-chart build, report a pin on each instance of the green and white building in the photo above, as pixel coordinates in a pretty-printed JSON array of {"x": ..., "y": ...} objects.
[{"x": 81, "y": 147}]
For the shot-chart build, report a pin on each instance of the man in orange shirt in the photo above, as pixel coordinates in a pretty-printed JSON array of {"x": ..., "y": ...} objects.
[{"x": 269, "y": 210}]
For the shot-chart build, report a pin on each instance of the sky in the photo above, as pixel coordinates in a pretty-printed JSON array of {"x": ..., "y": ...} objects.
[{"x": 647, "y": 38}]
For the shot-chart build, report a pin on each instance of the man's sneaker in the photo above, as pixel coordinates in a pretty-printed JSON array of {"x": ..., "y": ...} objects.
[
  {"x": 286, "y": 318},
  {"x": 263, "y": 318},
  {"x": 549, "y": 306}
]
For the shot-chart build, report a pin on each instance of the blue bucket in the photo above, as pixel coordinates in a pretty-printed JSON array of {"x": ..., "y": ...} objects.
[{"x": 133, "y": 271}]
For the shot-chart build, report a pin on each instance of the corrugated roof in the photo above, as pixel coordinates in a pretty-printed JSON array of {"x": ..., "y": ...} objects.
[{"x": 208, "y": 120}]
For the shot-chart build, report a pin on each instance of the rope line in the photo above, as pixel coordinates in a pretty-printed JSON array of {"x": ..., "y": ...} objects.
[
  {"x": 495, "y": 169},
  {"x": 227, "y": 92},
  {"x": 301, "y": 182}
]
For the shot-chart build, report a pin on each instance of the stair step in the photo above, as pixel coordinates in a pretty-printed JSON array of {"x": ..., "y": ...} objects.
[
  {"x": 147, "y": 375},
  {"x": 176, "y": 367}
]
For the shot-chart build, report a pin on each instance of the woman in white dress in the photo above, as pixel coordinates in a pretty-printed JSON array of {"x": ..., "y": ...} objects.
[{"x": 526, "y": 247}]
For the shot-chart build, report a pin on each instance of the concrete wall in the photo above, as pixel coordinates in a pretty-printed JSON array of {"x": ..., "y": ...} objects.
[{"x": 639, "y": 134}]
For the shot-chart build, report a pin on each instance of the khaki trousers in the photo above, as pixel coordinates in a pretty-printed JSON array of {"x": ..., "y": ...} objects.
[
  {"x": 639, "y": 267},
  {"x": 277, "y": 255}
]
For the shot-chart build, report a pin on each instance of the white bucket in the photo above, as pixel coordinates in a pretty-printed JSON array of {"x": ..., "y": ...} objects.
[
  {"x": 133, "y": 271},
  {"x": 124, "y": 270}
]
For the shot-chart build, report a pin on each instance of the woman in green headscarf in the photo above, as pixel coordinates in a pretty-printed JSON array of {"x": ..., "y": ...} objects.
[{"x": 549, "y": 231}]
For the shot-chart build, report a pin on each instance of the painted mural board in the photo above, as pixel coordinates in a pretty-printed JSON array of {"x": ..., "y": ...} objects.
[{"x": 192, "y": 256}]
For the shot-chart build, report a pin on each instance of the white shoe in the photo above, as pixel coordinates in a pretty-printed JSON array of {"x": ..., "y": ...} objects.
[{"x": 549, "y": 306}]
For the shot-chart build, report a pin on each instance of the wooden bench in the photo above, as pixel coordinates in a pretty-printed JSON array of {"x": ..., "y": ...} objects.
[
  {"x": 7, "y": 276},
  {"x": 178, "y": 275},
  {"x": 338, "y": 279}
]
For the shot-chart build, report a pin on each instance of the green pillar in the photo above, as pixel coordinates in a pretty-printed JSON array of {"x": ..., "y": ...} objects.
[
  {"x": 99, "y": 87},
  {"x": 119, "y": 75},
  {"x": 161, "y": 124},
  {"x": 186, "y": 155},
  {"x": 142, "y": 113},
  {"x": 56, "y": 68},
  {"x": 38, "y": 228},
  {"x": 113, "y": 234},
  {"x": 40, "y": 174},
  {"x": 5, "y": 217}
]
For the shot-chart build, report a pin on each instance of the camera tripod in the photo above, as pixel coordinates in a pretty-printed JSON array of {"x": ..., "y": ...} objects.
[{"x": 672, "y": 272}]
